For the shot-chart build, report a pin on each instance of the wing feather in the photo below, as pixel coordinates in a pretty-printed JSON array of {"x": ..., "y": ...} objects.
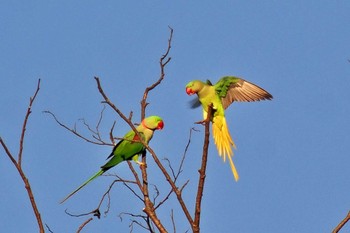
[{"x": 240, "y": 90}]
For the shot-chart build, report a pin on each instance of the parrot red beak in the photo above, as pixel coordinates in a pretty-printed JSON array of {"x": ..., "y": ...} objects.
[
  {"x": 189, "y": 91},
  {"x": 160, "y": 125}
]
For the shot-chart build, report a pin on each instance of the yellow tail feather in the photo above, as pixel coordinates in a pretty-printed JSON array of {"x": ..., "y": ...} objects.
[{"x": 224, "y": 142}]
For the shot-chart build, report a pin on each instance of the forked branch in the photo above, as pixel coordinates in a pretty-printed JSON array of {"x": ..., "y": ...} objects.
[{"x": 18, "y": 163}]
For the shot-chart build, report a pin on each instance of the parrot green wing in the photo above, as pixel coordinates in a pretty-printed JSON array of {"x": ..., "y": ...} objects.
[
  {"x": 128, "y": 147},
  {"x": 128, "y": 136},
  {"x": 230, "y": 89}
]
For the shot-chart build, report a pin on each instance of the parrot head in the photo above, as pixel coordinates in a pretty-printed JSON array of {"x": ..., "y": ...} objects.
[
  {"x": 153, "y": 123},
  {"x": 194, "y": 87}
]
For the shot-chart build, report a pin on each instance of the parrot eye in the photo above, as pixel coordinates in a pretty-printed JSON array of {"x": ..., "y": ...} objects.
[{"x": 160, "y": 125}]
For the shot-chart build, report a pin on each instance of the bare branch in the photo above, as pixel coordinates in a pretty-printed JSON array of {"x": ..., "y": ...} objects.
[
  {"x": 95, "y": 212},
  {"x": 135, "y": 175},
  {"x": 31, "y": 101},
  {"x": 111, "y": 133},
  {"x": 202, "y": 174},
  {"x": 13, "y": 160},
  {"x": 172, "y": 184},
  {"x": 342, "y": 223},
  {"x": 164, "y": 60},
  {"x": 83, "y": 225},
  {"x": 75, "y": 132},
  {"x": 143, "y": 217},
  {"x": 18, "y": 164},
  {"x": 173, "y": 220},
  {"x": 100, "y": 119},
  {"x": 125, "y": 183},
  {"x": 48, "y": 228},
  {"x": 107, "y": 101}
]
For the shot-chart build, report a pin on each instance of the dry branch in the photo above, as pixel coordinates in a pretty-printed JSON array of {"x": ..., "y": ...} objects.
[
  {"x": 342, "y": 223},
  {"x": 196, "y": 226},
  {"x": 18, "y": 163},
  {"x": 96, "y": 134},
  {"x": 83, "y": 225}
]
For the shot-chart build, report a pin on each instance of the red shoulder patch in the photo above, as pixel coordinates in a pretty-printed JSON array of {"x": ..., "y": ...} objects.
[{"x": 136, "y": 138}]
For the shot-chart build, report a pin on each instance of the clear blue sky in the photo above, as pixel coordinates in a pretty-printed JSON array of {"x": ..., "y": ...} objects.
[{"x": 292, "y": 155}]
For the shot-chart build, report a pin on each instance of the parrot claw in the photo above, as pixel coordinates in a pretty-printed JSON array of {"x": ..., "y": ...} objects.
[
  {"x": 202, "y": 122},
  {"x": 140, "y": 163}
]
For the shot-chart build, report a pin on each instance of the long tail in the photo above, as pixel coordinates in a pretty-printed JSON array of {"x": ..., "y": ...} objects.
[
  {"x": 81, "y": 186},
  {"x": 224, "y": 142}
]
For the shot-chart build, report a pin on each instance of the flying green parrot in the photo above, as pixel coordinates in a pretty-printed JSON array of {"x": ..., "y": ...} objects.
[
  {"x": 129, "y": 148},
  {"x": 227, "y": 90}
]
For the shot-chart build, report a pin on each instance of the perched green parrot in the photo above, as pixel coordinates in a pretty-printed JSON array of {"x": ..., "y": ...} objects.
[
  {"x": 130, "y": 147},
  {"x": 227, "y": 90}
]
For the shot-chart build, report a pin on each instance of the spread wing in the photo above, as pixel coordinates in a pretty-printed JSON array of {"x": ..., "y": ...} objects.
[{"x": 232, "y": 89}]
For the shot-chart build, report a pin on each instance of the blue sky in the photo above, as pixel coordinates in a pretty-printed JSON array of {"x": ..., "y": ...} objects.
[{"x": 292, "y": 153}]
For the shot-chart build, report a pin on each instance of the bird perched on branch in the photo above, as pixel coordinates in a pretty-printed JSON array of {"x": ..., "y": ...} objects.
[
  {"x": 129, "y": 148},
  {"x": 227, "y": 90}
]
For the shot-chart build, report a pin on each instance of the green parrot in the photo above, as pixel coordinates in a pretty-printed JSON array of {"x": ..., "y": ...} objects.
[
  {"x": 227, "y": 90},
  {"x": 129, "y": 148}
]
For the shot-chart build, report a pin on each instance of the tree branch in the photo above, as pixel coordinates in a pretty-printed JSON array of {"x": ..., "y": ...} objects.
[
  {"x": 164, "y": 60},
  {"x": 342, "y": 223},
  {"x": 18, "y": 164},
  {"x": 202, "y": 173},
  {"x": 31, "y": 101},
  {"x": 76, "y": 133},
  {"x": 83, "y": 225},
  {"x": 176, "y": 175}
]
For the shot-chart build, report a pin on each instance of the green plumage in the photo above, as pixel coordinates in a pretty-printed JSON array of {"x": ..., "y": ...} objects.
[
  {"x": 128, "y": 148},
  {"x": 223, "y": 85}
]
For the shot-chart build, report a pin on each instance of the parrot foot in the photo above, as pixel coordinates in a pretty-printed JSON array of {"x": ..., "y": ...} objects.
[
  {"x": 140, "y": 163},
  {"x": 202, "y": 122}
]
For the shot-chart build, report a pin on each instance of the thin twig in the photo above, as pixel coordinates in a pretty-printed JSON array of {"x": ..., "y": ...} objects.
[
  {"x": 173, "y": 220},
  {"x": 131, "y": 189},
  {"x": 143, "y": 217},
  {"x": 164, "y": 60},
  {"x": 95, "y": 212},
  {"x": 179, "y": 171},
  {"x": 83, "y": 225},
  {"x": 75, "y": 132},
  {"x": 29, "y": 111},
  {"x": 137, "y": 179},
  {"x": 48, "y": 228},
  {"x": 111, "y": 137}
]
